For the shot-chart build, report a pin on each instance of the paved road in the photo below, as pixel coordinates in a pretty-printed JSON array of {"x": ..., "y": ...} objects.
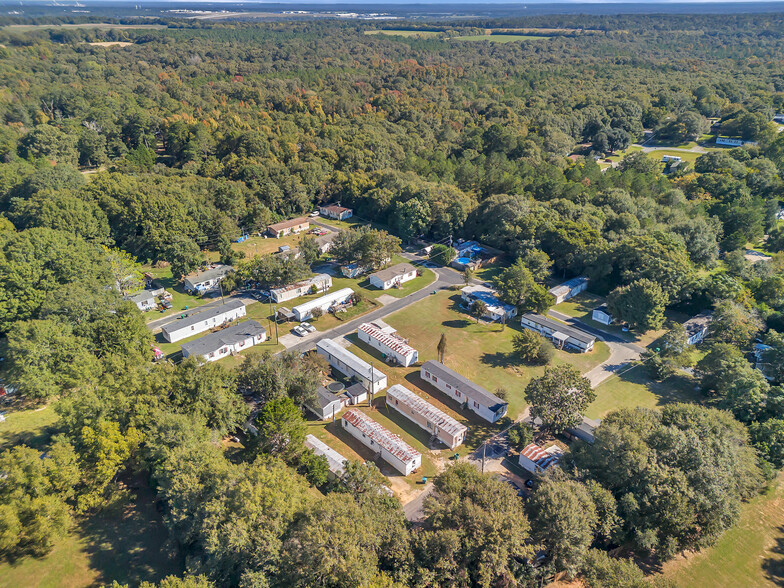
[
  {"x": 415, "y": 509},
  {"x": 446, "y": 278},
  {"x": 622, "y": 352}
]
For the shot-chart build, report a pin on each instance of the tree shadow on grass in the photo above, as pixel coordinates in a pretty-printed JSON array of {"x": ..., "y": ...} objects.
[
  {"x": 457, "y": 323},
  {"x": 497, "y": 359},
  {"x": 127, "y": 540},
  {"x": 774, "y": 567}
]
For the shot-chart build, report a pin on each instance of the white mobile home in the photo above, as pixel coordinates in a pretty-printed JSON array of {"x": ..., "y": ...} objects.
[
  {"x": 383, "y": 338},
  {"x": 207, "y": 280},
  {"x": 394, "y": 276},
  {"x": 436, "y": 422},
  {"x": 203, "y": 320},
  {"x": 586, "y": 430},
  {"x": 335, "y": 461},
  {"x": 484, "y": 403},
  {"x": 496, "y": 309},
  {"x": 392, "y": 449},
  {"x": 349, "y": 364},
  {"x": 562, "y": 335},
  {"x": 569, "y": 289},
  {"x": 305, "y": 310},
  {"x": 230, "y": 340},
  {"x": 537, "y": 460},
  {"x": 321, "y": 283}
]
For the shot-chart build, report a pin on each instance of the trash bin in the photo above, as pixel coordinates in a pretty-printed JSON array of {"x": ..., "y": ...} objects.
[{"x": 424, "y": 479}]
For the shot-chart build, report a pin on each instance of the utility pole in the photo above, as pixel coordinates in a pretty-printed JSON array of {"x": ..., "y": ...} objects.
[
  {"x": 223, "y": 300},
  {"x": 275, "y": 317},
  {"x": 484, "y": 452}
]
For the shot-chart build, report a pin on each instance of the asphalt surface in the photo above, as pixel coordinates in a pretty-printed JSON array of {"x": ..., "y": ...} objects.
[{"x": 445, "y": 279}]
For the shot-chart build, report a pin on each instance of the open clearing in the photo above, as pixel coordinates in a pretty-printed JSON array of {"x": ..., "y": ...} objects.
[
  {"x": 28, "y": 426},
  {"x": 111, "y": 44},
  {"x": 500, "y": 38},
  {"x": 749, "y": 554},
  {"x": 404, "y": 33}
]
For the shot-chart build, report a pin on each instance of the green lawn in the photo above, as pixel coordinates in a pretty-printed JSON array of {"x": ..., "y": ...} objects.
[
  {"x": 26, "y": 426},
  {"x": 180, "y": 299},
  {"x": 632, "y": 387},
  {"x": 749, "y": 554},
  {"x": 581, "y": 307},
  {"x": 126, "y": 541},
  {"x": 500, "y": 38}
]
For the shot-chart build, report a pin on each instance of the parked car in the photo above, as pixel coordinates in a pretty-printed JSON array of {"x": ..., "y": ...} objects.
[
  {"x": 166, "y": 304},
  {"x": 299, "y": 331},
  {"x": 308, "y": 327},
  {"x": 314, "y": 213}
]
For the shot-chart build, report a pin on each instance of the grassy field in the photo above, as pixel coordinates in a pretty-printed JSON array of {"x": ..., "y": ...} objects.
[
  {"x": 581, "y": 307},
  {"x": 180, "y": 299},
  {"x": 261, "y": 245},
  {"x": 749, "y": 554},
  {"x": 126, "y": 541},
  {"x": 404, "y": 33},
  {"x": 26, "y": 426},
  {"x": 632, "y": 387},
  {"x": 500, "y": 38},
  {"x": 478, "y": 351}
]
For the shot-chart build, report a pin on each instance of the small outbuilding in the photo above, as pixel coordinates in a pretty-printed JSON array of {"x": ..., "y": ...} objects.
[
  {"x": 326, "y": 404},
  {"x": 602, "y": 315}
]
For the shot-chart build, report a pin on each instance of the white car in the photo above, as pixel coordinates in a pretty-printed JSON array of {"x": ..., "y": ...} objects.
[
  {"x": 308, "y": 327},
  {"x": 314, "y": 213},
  {"x": 299, "y": 331}
]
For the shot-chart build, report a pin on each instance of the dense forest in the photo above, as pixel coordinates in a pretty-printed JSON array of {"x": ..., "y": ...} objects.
[{"x": 192, "y": 135}]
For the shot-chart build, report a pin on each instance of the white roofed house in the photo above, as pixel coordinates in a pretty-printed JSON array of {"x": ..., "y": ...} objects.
[
  {"x": 394, "y": 276},
  {"x": 203, "y": 320},
  {"x": 207, "y": 280},
  {"x": 484, "y": 403},
  {"x": 569, "y": 289},
  {"x": 225, "y": 342},
  {"x": 320, "y": 282},
  {"x": 497, "y": 310},
  {"x": 350, "y": 365},
  {"x": 304, "y": 311},
  {"x": 697, "y": 327},
  {"x": 326, "y": 404},
  {"x": 436, "y": 422},
  {"x": 390, "y": 447},
  {"x": 335, "y": 461},
  {"x": 383, "y": 338},
  {"x": 562, "y": 335}
]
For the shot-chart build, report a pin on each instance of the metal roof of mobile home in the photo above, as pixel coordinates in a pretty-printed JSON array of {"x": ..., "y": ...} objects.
[
  {"x": 306, "y": 307},
  {"x": 202, "y": 315},
  {"x": 317, "y": 279},
  {"x": 560, "y": 327},
  {"x": 334, "y": 459},
  {"x": 417, "y": 404},
  {"x": 210, "y": 274},
  {"x": 359, "y": 366},
  {"x": 392, "y": 342},
  {"x": 229, "y": 336},
  {"x": 466, "y": 386},
  {"x": 544, "y": 459},
  {"x": 386, "y": 439}
]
